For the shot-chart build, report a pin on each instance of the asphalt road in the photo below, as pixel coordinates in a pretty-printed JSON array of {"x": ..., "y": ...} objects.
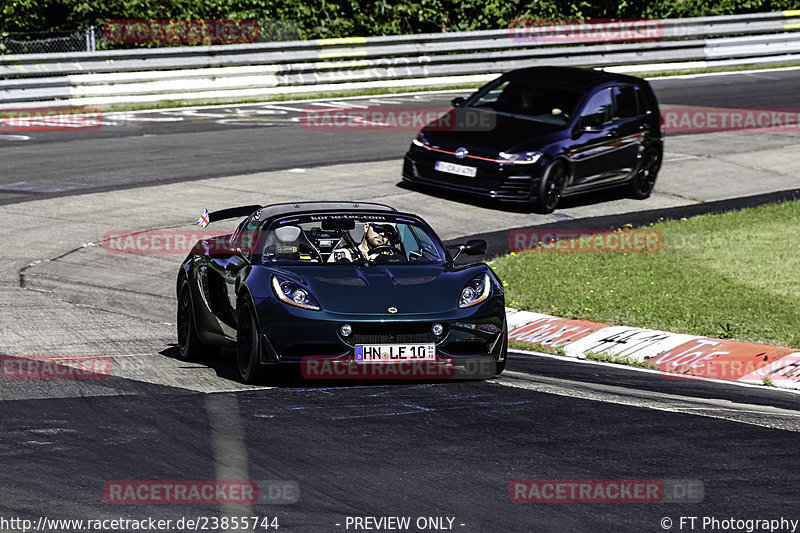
[
  {"x": 355, "y": 449},
  {"x": 412, "y": 449},
  {"x": 134, "y": 149}
]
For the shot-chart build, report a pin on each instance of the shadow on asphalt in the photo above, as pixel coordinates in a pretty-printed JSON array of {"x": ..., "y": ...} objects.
[
  {"x": 590, "y": 198},
  {"x": 289, "y": 376}
]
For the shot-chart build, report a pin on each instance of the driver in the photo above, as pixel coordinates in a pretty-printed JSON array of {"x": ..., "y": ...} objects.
[{"x": 375, "y": 234}]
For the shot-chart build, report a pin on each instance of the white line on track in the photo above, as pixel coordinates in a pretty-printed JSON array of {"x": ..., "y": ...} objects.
[
  {"x": 618, "y": 366},
  {"x": 752, "y": 414}
]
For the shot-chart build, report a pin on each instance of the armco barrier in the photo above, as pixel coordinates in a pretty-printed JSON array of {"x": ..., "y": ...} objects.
[
  {"x": 261, "y": 70},
  {"x": 675, "y": 355}
]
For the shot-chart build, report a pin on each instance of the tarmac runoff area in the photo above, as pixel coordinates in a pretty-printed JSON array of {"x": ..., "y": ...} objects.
[{"x": 63, "y": 293}]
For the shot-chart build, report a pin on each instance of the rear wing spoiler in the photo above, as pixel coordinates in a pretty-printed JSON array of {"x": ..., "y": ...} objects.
[{"x": 223, "y": 214}]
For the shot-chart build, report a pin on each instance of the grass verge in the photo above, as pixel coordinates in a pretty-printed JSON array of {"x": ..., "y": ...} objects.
[
  {"x": 620, "y": 360},
  {"x": 535, "y": 347},
  {"x": 733, "y": 275}
]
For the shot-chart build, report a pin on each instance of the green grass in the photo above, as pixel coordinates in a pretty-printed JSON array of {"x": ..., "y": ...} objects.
[
  {"x": 734, "y": 275},
  {"x": 617, "y": 359},
  {"x": 535, "y": 347}
]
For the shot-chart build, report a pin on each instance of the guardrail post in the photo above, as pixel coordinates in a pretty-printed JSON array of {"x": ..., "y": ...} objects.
[{"x": 90, "y": 42}]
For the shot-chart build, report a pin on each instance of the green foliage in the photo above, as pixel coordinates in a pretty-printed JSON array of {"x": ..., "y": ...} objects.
[{"x": 346, "y": 18}]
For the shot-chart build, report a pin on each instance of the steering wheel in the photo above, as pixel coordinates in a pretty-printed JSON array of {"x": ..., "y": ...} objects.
[{"x": 385, "y": 248}]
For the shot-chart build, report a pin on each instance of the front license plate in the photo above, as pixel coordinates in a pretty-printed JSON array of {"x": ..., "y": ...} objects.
[
  {"x": 394, "y": 353},
  {"x": 459, "y": 170}
]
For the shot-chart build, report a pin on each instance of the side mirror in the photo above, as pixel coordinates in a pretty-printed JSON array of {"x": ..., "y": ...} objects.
[
  {"x": 458, "y": 101},
  {"x": 582, "y": 127},
  {"x": 472, "y": 247},
  {"x": 475, "y": 247}
]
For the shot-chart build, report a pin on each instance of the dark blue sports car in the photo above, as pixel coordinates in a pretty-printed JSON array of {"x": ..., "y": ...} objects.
[{"x": 354, "y": 284}]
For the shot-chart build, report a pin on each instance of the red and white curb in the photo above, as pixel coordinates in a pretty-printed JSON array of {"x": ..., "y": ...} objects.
[{"x": 676, "y": 355}]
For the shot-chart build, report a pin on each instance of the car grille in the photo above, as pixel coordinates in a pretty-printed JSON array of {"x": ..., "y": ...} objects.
[
  {"x": 485, "y": 184},
  {"x": 393, "y": 333}
]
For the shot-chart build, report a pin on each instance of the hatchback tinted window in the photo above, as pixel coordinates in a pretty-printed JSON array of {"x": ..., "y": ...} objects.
[
  {"x": 627, "y": 99},
  {"x": 598, "y": 110}
]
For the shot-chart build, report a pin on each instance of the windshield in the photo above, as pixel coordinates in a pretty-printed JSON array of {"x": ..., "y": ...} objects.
[
  {"x": 528, "y": 100},
  {"x": 342, "y": 238}
]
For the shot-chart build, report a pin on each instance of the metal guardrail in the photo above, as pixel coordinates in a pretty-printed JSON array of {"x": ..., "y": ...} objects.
[{"x": 261, "y": 70}]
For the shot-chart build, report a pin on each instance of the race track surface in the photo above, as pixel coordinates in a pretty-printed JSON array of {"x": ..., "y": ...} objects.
[{"x": 446, "y": 449}]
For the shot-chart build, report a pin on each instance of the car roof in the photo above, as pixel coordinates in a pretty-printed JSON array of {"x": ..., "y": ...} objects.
[
  {"x": 288, "y": 208},
  {"x": 579, "y": 78}
]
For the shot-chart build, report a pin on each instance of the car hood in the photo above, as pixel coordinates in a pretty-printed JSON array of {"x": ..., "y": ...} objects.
[
  {"x": 411, "y": 289},
  {"x": 508, "y": 134}
]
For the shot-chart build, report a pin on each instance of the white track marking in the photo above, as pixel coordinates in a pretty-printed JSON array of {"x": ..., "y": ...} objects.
[
  {"x": 9, "y": 137},
  {"x": 753, "y": 414}
]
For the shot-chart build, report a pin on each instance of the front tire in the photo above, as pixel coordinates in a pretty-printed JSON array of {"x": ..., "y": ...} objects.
[
  {"x": 551, "y": 187},
  {"x": 190, "y": 347},
  {"x": 643, "y": 183},
  {"x": 248, "y": 347}
]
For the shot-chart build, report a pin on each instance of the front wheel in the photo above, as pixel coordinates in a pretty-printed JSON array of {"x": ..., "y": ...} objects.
[
  {"x": 644, "y": 181},
  {"x": 551, "y": 187},
  {"x": 248, "y": 360}
]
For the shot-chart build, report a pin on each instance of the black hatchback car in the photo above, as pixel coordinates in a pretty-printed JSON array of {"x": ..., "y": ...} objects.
[{"x": 555, "y": 132}]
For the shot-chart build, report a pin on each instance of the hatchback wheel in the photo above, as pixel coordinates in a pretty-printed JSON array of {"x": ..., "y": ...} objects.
[
  {"x": 551, "y": 187},
  {"x": 645, "y": 180}
]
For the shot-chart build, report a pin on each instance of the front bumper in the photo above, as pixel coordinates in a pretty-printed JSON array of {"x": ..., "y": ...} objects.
[
  {"x": 292, "y": 335},
  {"x": 506, "y": 182}
]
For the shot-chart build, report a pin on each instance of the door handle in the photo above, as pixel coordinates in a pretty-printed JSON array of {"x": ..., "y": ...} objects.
[{"x": 613, "y": 132}]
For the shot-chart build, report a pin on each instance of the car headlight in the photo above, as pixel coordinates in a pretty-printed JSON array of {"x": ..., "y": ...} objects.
[
  {"x": 520, "y": 158},
  {"x": 476, "y": 291},
  {"x": 421, "y": 140},
  {"x": 293, "y": 294}
]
